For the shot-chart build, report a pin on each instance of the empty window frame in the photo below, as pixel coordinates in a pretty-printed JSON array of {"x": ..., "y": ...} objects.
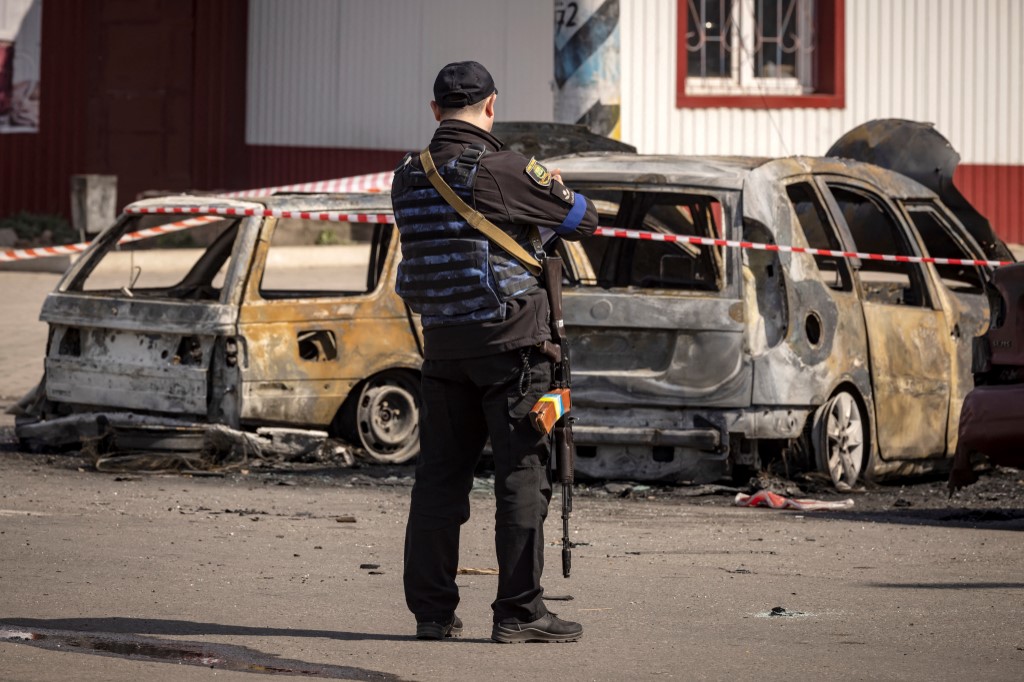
[
  {"x": 185, "y": 264},
  {"x": 875, "y": 230},
  {"x": 656, "y": 264},
  {"x": 317, "y": 259},
  {"x": 820, "y": 234},
  {"x": 940, "y": 241}
]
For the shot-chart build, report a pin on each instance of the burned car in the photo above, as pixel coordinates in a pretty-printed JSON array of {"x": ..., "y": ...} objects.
[
  {"x": 695, "y": 361},
  {"x": 692, "y": 360},
  {"x": 249, "y": 331}
]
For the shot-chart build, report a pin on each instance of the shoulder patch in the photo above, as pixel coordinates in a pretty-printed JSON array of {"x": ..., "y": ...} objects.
[
  {"x": 405, "y": 161},
  {"x": 538, "y": 173},
  {"x": 563, "y": 193}
]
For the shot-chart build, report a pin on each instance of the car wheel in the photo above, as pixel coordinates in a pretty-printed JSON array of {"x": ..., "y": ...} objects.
[
  {"x": 839, "y": 440},
  {"x": 386, "y": 417}
]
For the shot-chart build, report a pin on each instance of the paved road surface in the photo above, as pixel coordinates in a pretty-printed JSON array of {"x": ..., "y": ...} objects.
[{"x": 247, "y": 572}]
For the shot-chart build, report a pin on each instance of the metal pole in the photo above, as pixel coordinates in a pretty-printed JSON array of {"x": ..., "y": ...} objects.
[{"x": 587, "y": 65}]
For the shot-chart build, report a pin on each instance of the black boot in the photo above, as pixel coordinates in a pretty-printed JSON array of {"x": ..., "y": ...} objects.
[
  {"x": 435, "y": 630},
  {"x": 548, "y": 628}
]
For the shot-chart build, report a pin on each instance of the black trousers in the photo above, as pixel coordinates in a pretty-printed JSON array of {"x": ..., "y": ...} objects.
[{"x": 464, "y": 402}]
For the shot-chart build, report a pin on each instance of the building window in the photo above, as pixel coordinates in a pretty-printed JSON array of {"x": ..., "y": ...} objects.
[{"x": 760, "y": 53}]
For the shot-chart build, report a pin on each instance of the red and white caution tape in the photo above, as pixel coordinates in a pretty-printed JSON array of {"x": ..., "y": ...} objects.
[
  {"x": 69, "y": 249},
  {"x": 208, "y": 212},
  {"x": 42, "y": 252},
  {"x": 330, "y": 216},
  {"x": 599, "y": 232},
  {"x": 371, "y": 182},
  {"x": 164, "y": 229},
  {"x": 734, "y": 244}
]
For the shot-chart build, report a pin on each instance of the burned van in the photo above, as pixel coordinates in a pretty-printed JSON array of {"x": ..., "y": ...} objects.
[{"x": 694, "y": 361}]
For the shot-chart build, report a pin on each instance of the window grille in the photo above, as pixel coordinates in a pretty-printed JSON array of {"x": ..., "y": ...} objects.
[{"x": 742, "y": 47}]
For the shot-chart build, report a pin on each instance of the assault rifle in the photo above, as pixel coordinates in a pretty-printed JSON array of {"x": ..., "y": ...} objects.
[{"x": 551, "y": 413}]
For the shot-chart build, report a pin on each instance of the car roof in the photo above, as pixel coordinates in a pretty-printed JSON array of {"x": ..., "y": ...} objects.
[
  {"x": 728, "y": 172},
  {"x": 724, "y": 172},
  {"x": 371, "y": 202}
]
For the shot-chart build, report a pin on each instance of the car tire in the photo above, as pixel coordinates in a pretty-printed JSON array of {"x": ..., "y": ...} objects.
[
  {"x": 840, "y": 442},
  {"x": 383, "y": 417}
]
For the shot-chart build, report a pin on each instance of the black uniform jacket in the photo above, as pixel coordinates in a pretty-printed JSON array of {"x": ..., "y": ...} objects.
[{"x": 509, "y": 189}]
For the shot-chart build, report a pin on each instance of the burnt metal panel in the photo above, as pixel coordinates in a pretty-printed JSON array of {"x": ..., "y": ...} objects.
[
  {"x": 372, "y": 331},
  {"x": 173, "y": 317}
]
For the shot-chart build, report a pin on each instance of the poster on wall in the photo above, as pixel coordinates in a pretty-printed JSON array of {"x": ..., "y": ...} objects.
[{"x": 21, "y": 24}]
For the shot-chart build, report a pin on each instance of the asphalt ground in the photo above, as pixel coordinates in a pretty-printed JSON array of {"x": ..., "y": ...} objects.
[{"x": 298, "y": 572}]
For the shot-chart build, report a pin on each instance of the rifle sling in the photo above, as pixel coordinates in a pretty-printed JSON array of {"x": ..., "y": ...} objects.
[{"x": 476, "y": 219}]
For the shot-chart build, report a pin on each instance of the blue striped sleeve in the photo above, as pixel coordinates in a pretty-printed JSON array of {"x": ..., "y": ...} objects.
[{"x": 575, "y": 216}]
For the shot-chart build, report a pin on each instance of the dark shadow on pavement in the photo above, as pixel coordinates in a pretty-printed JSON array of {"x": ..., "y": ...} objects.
[
  {"x": 989, "y": 519},
  {"x": 159, "y": 626},
  {"x": 119, "y": 638}
]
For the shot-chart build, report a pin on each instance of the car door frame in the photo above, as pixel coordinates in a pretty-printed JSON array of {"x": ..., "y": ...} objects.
[
  {"x": 904, "y": 427},
  {"x": 372, "y": 332},
  {"x": 967, "y": 312}
]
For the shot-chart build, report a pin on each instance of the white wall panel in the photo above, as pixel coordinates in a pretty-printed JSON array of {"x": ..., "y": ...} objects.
[
  {"x": 358, "y": 73},
  {"x": 956, "y": 63}
]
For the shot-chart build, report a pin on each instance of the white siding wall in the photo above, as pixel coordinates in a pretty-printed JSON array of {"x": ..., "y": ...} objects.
[
  {"x": 956, "y": 63},
  {"x": 358, "y": 73}
]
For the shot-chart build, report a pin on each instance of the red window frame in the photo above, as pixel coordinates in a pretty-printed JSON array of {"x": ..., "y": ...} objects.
[{"x": 831, "y": 68}]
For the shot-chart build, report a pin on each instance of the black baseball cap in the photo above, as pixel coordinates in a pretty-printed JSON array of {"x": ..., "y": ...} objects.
[{"x": 460, "y": 84}]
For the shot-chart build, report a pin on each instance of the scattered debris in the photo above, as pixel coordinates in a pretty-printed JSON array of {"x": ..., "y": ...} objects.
[
  {"x": 782, "y": 612},
  {"x": 558, "y": 597},
  {"x": 369, "y": 566},
  {"x": 765, "y": 498},
  {"x": 477, "y": 571},
  {"x": 345, "y": 519},
  {"x": 124, "y": 442}
]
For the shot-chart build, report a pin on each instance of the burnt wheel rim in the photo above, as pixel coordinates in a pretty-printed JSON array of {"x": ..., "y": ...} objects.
[
  {"x": 388, "y": 422},
  {"x": 841, "y": 451}
]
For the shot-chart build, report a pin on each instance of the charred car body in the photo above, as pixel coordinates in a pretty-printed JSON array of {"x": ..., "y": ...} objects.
[
  {"x": 241, "y": 334},
  {"x": 694, "y": 360},
  {"x": 691, "y": 362}
]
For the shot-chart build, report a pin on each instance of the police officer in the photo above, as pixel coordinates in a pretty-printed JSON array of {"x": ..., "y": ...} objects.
[{"x": 484, "y": 316}]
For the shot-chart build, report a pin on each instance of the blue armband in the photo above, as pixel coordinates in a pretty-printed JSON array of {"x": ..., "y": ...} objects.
[{"x": 575, "y": 216}]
